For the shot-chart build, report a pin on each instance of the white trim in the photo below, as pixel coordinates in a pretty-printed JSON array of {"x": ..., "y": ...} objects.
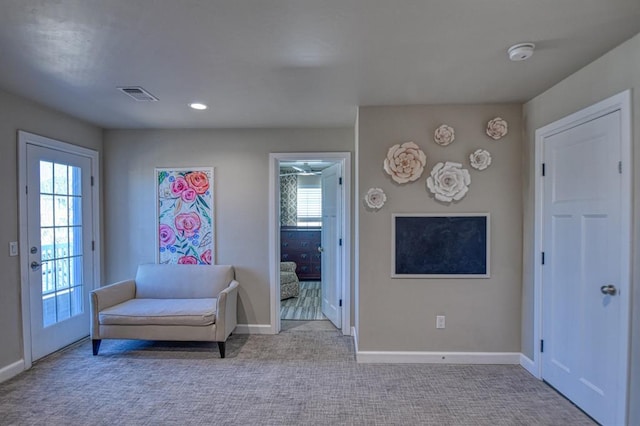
[
  {"x": 11, "y": 370},
  {"x": 274, "y": 239},
  {"x": 356, "y": 228},
  {"x": 620, "y": 102},
  {"x": 253, "y": 329},
  {"x": 528, "y": 364},
  {"x": 25, "y": 138},
  {"x": 416, "y": 357},
  {"x": 355, "y": 339}
]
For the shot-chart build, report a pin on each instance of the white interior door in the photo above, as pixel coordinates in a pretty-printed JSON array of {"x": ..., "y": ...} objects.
[
  {"x": 59, "y": 234},
  {"x": 331, "y": 236},
  {"x": 583, "y": 252}
]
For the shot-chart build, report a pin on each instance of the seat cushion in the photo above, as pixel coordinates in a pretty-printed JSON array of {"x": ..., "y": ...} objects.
[
  {"x": 288, "y": 277},
  {"x": 198, "y": 312}
]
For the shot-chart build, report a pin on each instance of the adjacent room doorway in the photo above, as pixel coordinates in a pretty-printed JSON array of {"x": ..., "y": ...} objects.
[
  {"x": 57, "y": 238},
  {"x": 309, "y": 228},
  {"x": 584, "y": 277}
]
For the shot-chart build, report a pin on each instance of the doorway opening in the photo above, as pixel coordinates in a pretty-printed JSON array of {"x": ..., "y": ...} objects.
[{"x": 309, "y": 236}]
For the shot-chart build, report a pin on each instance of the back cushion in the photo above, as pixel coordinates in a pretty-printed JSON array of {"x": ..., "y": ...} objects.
[{"x": 154, "y": 281}]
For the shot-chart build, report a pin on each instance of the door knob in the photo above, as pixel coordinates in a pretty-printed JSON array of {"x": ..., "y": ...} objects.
[
  {"x": 609, "y": 290},
  {"x": 320, "y": 249},
  {"x": 34, "y": 265}
]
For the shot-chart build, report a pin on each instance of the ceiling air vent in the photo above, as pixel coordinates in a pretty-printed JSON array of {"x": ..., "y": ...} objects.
[{"x": 138, "y": 93}]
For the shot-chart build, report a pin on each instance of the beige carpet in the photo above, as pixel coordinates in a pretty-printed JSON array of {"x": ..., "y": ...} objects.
[{"x": 295, "y": 378}]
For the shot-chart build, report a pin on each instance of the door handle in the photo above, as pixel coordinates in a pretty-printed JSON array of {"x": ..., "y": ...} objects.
[
  {"x": 35, "y": 265},
  {"x": 320, "y": 249},
  {"x": 609, "y": 289}
]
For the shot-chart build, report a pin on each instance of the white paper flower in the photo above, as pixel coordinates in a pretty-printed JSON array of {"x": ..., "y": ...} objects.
[
  {"x": 444, "y": 135},
  {"x": 375, "y": 198},
  {"x": 405, "y": 163},
  {"x": 480, "y": 159},
  {"x": 449, "y": 181},
  {"x": 497, "y": 128}
]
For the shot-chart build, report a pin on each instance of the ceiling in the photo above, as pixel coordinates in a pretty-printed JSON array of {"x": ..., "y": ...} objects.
[{"x": 292, "y": 63}]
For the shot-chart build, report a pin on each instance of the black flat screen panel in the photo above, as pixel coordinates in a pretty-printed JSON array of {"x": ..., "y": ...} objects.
[{"x": 441, "y": 246}]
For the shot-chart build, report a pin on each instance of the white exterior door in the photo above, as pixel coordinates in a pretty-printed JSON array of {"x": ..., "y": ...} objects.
[
  {"x": 583, "y": 267},
  {"x": 59, "y": 234},
  {"x": 331, "y": 236}
]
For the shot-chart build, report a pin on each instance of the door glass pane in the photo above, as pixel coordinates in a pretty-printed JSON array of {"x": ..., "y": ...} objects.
[
  {"x": 61, "y": 213},
  {"x": 75, "y": 210},
  {"x": 61, "y": 242},
  {"x": 48, "y": 310},
  {"x": 46, "y": 177},
  {"x": 76, "y": 300},
  {"x": 61, "y": 238},
  {"x": 75, "y": 270},
  {"x": 75, "y": 241},
  {"x": 48, "y": 278},
  {"x": 75, "y": 180},
  {"x": 46, "y": 210},
  {"x": 60, "y": 185},
  {"x": 63, "y": 305},
  {"x": 46, "y": 243},
  {"x": 62, "y": 273}
]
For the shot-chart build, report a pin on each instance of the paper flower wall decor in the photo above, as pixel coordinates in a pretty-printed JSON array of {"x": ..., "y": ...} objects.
[
  {"x": 497, "y": 128},
  {"x": 480, "y": 159},
  {"x": 375, "y": 198},
  {"x": 449, "y": 181},
  {"x": 405, "y": 163},
  {"x": 444, "y": 135}
]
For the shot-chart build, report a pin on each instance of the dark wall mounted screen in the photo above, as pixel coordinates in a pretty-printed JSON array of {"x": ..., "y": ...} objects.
[{"x": 441, "y": 245}]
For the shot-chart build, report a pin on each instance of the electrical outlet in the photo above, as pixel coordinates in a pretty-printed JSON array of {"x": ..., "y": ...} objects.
[
  {"x": 440, "y": 321},
  {"x": 13, "y": 248}
]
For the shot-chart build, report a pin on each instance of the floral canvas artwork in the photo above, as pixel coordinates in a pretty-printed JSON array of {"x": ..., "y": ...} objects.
[{"x": 185, "y": 215}]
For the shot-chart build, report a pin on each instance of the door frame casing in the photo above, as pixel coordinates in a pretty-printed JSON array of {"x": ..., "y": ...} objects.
[
  {"x": 344, "y": 158},
  {"x": 25, "y": 138},
  {"x": 620, "y": 102}
]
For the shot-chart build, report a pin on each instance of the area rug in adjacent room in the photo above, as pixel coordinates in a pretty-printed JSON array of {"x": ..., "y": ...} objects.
[{"x": 307, "y": 306}]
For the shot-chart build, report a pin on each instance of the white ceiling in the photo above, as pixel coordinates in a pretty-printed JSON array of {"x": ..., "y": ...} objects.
[{"x": 292, "y": 63}]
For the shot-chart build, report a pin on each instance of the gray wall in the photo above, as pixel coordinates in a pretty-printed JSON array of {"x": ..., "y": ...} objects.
[
  {"x": 614, "y": 72},
  {"x": 241, "y": 175},
  {"x": 482, "y": 315},
  {"x": 19, "y": 114}
]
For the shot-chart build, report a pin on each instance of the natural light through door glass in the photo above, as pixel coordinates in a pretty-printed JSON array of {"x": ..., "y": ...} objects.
[{"x": 61, "y": 241}]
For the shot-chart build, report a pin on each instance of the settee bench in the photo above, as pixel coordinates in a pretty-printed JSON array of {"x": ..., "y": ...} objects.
[{"x": 168, "y": 302}]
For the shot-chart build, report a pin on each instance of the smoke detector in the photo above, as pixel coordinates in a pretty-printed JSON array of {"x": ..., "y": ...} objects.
[{"x": 521, "y": 51}]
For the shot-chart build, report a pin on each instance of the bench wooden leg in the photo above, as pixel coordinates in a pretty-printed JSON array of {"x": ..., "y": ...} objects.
[
  {"x": 96, "y": 346},
  {"x": 221, "y": 347}
]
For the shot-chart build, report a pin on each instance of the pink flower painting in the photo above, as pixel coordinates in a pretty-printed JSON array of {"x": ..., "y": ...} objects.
[
  {"x": 206, "y": 257},
  {"x": 167, "y": 236},
  {"x": 187, "y": 260},
  {"x": 185, "y": 216},
  {"x": 188, "y": 224}
]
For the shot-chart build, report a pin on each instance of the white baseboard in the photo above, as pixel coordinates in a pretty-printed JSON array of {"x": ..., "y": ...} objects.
[
  {"x": 11, "y": 370},
  {"x": 253, "y": 329},
  {"x": 415, "y": 357},
  {"x": 528, "y": 364}
]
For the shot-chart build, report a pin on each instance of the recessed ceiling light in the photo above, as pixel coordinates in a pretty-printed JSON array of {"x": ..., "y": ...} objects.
[{"x": 198, "y": 106}]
